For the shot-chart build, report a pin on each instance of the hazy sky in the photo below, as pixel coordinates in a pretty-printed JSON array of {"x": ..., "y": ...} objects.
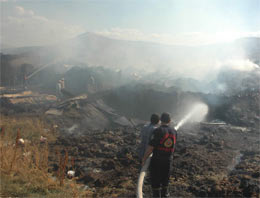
[{"x": 188, "y": 22}]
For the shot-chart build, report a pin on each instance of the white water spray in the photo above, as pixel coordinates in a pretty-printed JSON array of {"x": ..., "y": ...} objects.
[
  {"x": 197, "y": 113},
  {"x": 41, "y": 68}
]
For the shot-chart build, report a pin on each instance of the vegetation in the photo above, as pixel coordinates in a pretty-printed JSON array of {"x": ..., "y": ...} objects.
[{"x": 24, "y": 167}]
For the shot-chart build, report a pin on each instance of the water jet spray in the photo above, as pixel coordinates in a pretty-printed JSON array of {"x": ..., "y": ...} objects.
[
  {"x": 41, "y": 68},
  {"x": 197, "y": 113}
]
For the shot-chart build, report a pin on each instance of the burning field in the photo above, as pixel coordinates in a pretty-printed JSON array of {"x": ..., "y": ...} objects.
[{"x": 215, "y": 157}]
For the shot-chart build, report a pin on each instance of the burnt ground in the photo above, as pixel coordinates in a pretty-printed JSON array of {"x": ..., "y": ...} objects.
[{"x": 211, "y": 160}]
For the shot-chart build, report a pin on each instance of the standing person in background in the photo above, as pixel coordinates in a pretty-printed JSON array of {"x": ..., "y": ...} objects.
[
  {"x": 62, "y": 83},
  {"x": 91, "y": 86},
  {"x": 146, "y": 133},
  {"x": 25, "y": 82},
  {"x": 58, "y": 90},
  {"x": 162, "y": 145}
]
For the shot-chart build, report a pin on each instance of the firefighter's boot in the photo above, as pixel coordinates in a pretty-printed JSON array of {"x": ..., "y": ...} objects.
[{"x": 165, "y": 192}]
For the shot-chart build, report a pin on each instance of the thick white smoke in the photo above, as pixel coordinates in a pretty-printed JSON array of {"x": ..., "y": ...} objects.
[
  {"x": 236, "y": 75},
  {"x": 238, "y": 64}
]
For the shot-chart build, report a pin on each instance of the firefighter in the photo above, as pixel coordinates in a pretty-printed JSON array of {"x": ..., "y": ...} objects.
[
  {"x": 62, "y": 81},
  {"x": 25, "y": 82},
  {"x": 62, "y": 88},
  {"x": 146, "y": 133},
  {"x": 58, "y": 90},
  {"x": 162, "y": 145}
]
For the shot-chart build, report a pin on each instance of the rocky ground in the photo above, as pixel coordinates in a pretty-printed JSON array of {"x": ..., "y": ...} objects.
[{"x": 211, "y": 159}]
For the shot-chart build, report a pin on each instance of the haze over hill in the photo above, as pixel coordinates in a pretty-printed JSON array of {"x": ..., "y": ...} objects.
[{"x": 136, "y": 56}]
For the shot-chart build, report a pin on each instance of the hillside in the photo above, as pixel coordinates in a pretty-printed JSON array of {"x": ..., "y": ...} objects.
[{"x": 96, "y": 50}]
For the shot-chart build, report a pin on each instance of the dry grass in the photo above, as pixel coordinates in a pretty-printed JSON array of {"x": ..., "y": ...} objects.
[
  {"x": 24, "y": 167},
  {"x": 30, "y": 128}
]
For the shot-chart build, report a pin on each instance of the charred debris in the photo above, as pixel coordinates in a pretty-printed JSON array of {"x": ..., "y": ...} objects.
[{"x": 100, "y": 112}]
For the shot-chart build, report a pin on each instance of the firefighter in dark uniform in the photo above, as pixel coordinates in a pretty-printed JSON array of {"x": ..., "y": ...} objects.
[{"x": 162, "y": 145}]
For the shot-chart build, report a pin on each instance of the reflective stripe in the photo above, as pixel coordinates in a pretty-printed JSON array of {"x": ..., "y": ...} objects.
[{"x": 166, "y": 149}]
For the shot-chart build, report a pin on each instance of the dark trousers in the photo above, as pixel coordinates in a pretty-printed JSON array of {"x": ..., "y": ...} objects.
[{"x": 160, "y": 172}]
